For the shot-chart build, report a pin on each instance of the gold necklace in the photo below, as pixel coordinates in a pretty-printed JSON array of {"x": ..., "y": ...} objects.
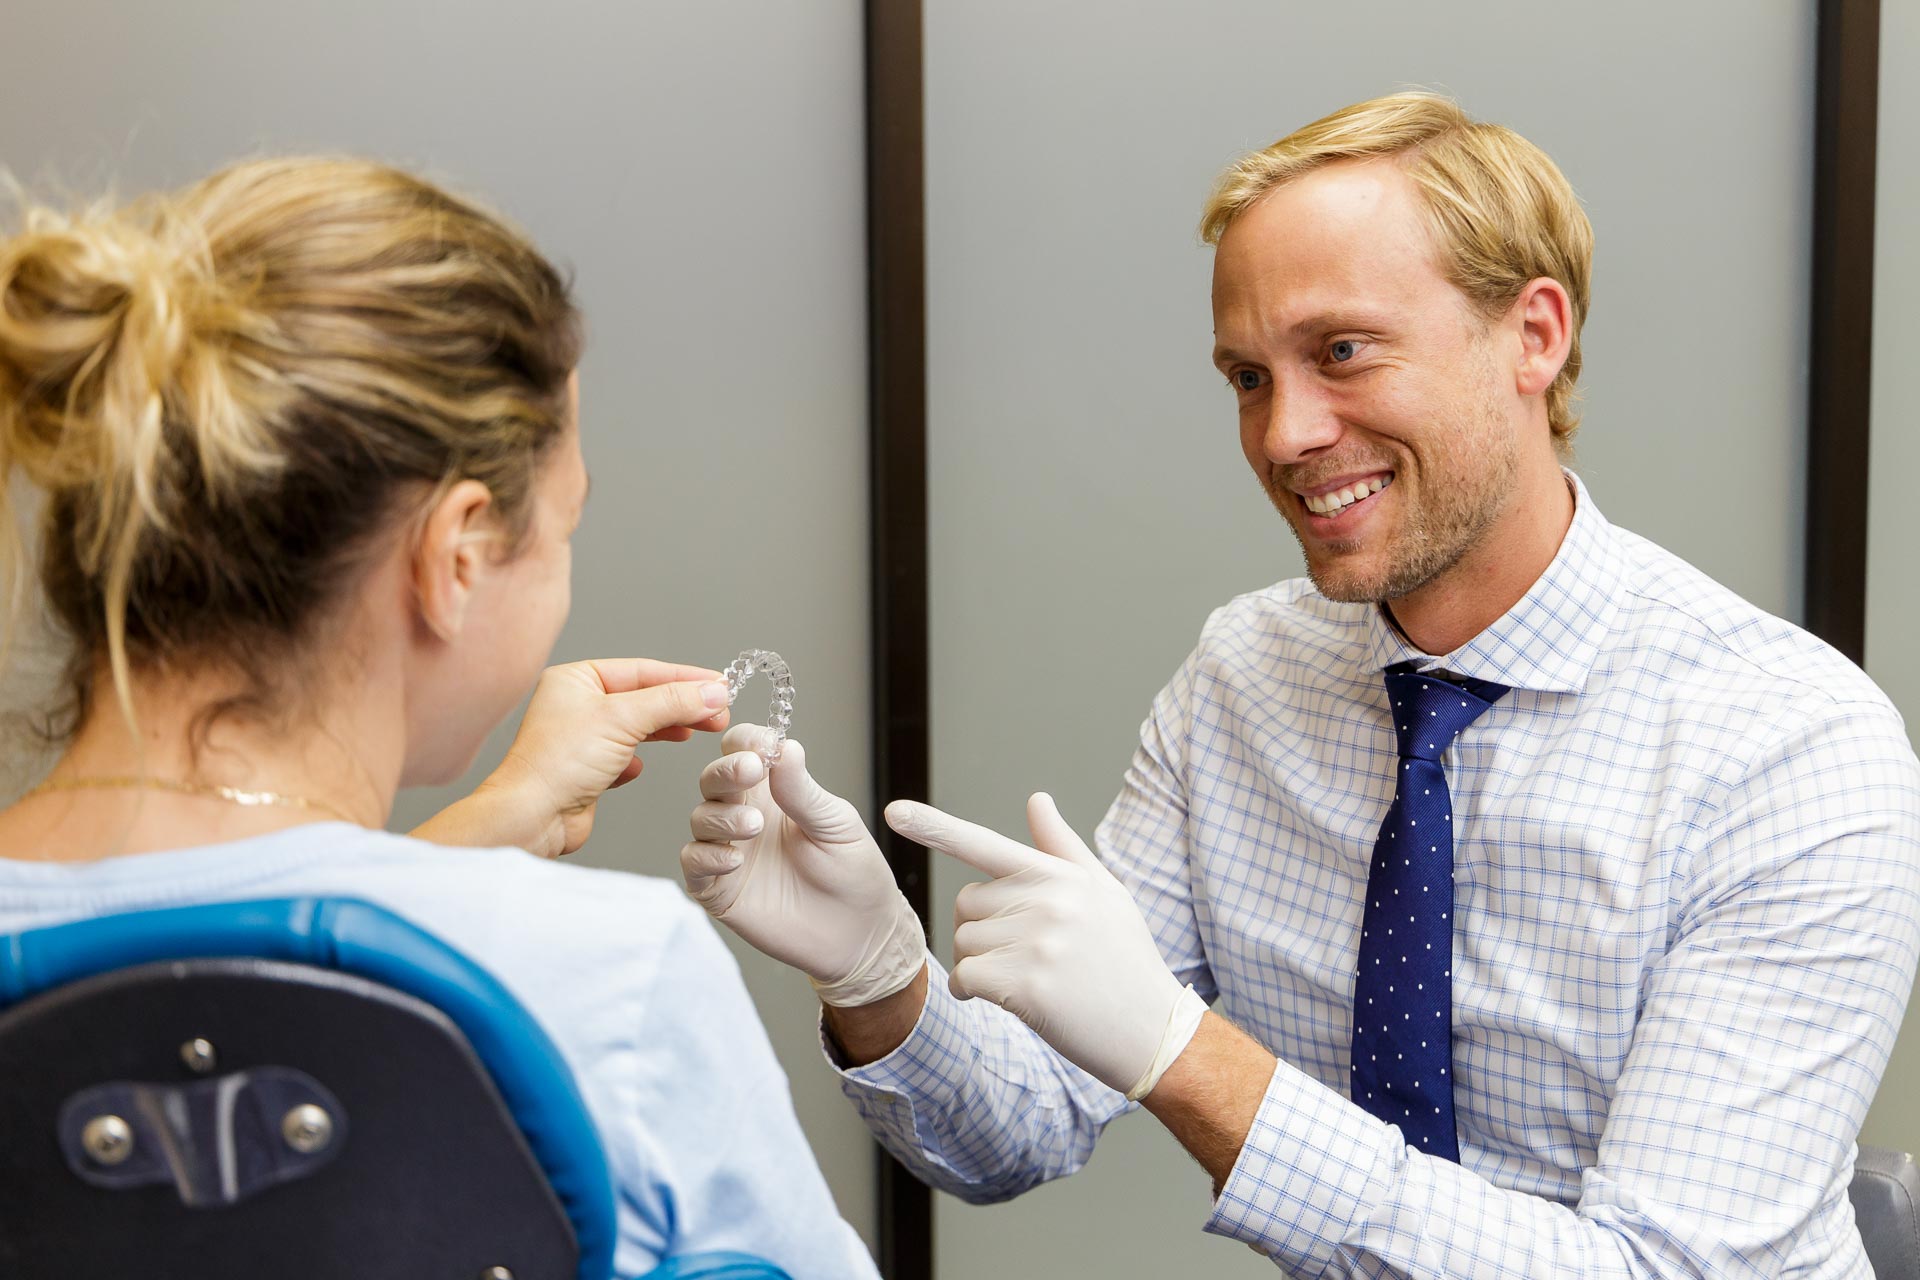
[{"x": 234, "y": 795}]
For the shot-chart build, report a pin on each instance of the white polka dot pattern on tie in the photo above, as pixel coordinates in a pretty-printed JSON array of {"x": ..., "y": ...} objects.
[{"x": 1435, "y": 1133}]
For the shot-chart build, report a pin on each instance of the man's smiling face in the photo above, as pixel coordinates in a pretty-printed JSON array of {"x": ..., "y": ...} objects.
[{"x": 1376, "y": 406}]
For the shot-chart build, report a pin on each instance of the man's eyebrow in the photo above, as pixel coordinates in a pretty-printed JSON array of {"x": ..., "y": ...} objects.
[{"x": 1328, "y": 321}]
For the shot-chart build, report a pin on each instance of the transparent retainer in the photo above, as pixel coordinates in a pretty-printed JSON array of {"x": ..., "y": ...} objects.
[{"x": 780, "y": 715}]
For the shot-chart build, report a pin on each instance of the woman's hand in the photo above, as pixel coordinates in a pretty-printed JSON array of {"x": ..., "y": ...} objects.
[{"x": 575, "y": 742}]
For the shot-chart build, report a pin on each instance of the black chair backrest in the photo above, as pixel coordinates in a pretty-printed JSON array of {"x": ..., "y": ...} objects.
[
  {"x": 413, "y": 1167},
  {"x": 1886, "y": 1205}
]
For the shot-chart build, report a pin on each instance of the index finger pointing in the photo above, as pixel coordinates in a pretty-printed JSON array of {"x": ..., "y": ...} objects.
[{"x": 979, "y": 848}]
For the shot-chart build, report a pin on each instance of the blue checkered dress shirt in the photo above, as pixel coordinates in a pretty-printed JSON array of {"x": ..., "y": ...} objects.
[{"x": 1688, "y": 907}]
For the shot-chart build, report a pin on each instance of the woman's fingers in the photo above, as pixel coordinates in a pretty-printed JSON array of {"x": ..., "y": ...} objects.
[{"x": 623, "y": 675}]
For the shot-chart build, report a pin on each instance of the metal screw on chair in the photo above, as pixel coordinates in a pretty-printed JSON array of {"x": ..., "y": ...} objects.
[
  {"x": 496, "y": 1273},
  {"x": 199, "y": 1056},
  {"x": 307, "y": 1128},
  {"x": 107, "y": 1140}
]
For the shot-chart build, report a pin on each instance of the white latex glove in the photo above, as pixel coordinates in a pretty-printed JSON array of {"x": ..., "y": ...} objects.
[
  {"x": 1056, "y": 941},
  {"x": 791, "y": 868}
]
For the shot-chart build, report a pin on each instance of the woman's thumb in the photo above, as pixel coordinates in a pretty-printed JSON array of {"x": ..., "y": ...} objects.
[{"x": 684, "y": 703}]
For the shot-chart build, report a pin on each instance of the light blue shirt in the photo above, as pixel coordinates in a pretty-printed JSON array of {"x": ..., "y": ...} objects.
[
  {"x": 628, "y": 977},
  {"x": 1687, "y": 900}
]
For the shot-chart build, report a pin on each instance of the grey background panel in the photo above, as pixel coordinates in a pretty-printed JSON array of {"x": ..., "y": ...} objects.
[
  {"x": 1088, "y": 501},
  {"x": 701, "y": 168},
  {"x": 1893, "y": 519}
]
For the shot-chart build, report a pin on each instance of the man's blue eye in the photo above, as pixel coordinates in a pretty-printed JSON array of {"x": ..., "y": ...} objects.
[
  {"x": 1343, "y": 350},
  {"x": 1246, "y": 380}
]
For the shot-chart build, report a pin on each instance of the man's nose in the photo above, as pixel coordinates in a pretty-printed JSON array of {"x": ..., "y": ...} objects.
[{"x": 1299, "y": 425}]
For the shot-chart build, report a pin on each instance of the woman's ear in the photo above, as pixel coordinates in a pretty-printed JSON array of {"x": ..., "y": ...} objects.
[{"x": 450, "y": 555}]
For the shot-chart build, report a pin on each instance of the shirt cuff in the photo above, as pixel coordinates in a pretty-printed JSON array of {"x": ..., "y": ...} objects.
[
  {"x": 1312, "y": 1166},
  {"x": 936, "y": 1057},
  {"x": 923, "y": 1077}
]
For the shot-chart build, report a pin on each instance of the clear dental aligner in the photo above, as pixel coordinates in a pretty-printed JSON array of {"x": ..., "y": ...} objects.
[{"x": 780, "y": 716}]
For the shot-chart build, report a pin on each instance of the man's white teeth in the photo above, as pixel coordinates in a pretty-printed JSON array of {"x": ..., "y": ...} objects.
[{"x": 1341, "y": 499}]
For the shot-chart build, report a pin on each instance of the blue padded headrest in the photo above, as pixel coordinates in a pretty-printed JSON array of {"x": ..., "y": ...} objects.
[
  {"x": 367, "y": 941},
  {"x": 716, "y": 1266}
]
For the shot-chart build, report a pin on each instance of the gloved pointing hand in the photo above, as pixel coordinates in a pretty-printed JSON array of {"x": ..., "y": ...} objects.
[
  {"x": 791, "y": 868},
  {"x": 1056, "y": 941}
]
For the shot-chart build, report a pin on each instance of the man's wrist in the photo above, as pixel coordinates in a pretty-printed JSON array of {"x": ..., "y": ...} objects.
[
  {"x": 899, "y": 958},
  {"x": 1210, "y": 1095},
  {"x": 1183, "y": 1019},
  {"x": 866, "y": 1033}
]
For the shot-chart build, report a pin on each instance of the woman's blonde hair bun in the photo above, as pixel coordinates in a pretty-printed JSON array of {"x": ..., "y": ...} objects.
[
  {"x": 113, "y": 330},
  {"x": 222, "y": 392}
]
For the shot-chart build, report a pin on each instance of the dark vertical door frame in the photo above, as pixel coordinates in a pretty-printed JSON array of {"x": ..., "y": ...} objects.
[
  {"x": 1840, "y": 338},
  {"x": 897, "y": 493}
]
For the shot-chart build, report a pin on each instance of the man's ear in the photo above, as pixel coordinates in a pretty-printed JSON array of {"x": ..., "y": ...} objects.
[
  {"x": 1543, "y": 317},
  {"x": 451, "y": 553}
]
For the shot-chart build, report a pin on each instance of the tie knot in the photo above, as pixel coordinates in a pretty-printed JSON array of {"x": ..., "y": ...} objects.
[{"x": 1429, "y": 713}]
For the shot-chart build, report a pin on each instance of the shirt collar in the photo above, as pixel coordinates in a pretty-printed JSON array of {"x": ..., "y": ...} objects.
[{"x": 1549, "y": 640}]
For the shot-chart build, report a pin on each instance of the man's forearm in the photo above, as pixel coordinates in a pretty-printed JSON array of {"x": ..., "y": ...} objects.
[
  {"x": 1209, "y": 1096},
  {"x": 869, "y": 1032}
]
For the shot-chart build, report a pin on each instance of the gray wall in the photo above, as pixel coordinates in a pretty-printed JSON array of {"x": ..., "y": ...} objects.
[
  {"x": 1893, "y": 519},
  {"x": 1089, "y": 504},
  {"x": 700, "y": 165}
]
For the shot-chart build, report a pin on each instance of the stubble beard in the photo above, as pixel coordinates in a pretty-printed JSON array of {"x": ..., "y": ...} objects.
[{"x": 1437, "y": 529}]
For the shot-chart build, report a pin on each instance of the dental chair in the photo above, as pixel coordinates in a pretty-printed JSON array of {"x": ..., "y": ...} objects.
[
  {"x": 1886, "y": 1206},
  {"x": 302, "y": 1087}
]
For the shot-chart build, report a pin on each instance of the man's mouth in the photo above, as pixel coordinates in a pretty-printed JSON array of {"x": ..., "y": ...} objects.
[{"x": 1332, "y": 504}]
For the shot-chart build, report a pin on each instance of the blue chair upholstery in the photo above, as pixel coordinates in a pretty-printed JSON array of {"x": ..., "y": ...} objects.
[
  {"x": 358, "y": 938},
  {"x": 716, "y": 1266}
]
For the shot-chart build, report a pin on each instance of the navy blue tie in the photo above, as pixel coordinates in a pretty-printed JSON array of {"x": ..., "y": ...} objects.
[{"x": 1403, "y": 992}]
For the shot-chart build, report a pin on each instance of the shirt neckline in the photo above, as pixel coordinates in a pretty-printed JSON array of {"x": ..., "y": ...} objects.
[
  {"x": 259, "y": 855},
  {"x": 1549, "y": 640}
]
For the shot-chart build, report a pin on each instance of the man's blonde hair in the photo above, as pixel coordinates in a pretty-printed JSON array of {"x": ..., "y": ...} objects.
[{"x": 1501, "y": 212}]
